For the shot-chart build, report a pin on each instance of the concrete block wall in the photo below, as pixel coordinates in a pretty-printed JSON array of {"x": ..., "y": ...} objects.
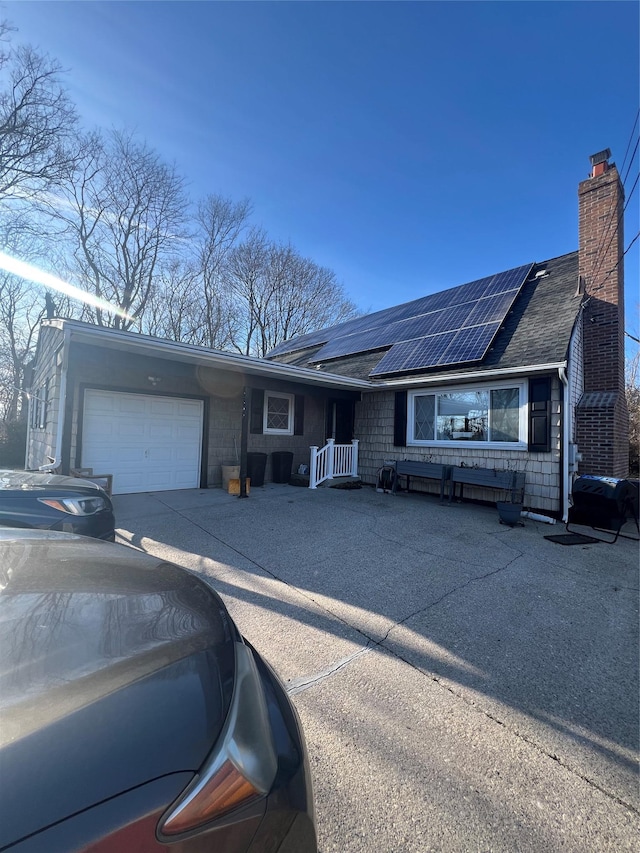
[{"x": 374, "y": 428}]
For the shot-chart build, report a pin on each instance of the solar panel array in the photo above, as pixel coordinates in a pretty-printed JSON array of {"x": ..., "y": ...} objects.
[{"x": 451, "y": 327}]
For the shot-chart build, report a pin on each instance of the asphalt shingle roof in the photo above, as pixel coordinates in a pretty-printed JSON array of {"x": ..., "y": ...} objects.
[{"x": 536, "y": 331}]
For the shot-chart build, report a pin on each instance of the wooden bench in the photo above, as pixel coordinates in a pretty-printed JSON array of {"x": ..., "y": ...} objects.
[
  {"x": 427, "y": 470},
  {"x": 487, "y": 478}
]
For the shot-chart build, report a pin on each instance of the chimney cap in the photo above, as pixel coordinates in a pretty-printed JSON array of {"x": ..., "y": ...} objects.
[{"x": 600, "y": 157}]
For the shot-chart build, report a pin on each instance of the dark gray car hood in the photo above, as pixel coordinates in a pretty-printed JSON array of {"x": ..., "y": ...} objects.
[
  {"x": 29, "y": 481},
  {"x": 116, "y": 669}
]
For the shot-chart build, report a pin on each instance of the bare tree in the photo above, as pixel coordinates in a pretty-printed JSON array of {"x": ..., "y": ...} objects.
[
  {"x": 126, "y": 214},
  {"x": 22, "y": 307},
  {"x": 37, "y": 121},
  {"x": 306, "y": 297},
  {"x": 279, "y": 294},
  {"x": 220, "y": 223},
  {"x": 175, "y": 305},
  {"x": 248, "y": 289}
]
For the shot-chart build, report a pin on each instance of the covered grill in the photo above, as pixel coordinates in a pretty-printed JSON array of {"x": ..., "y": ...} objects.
[{"x": 602, "y": 502}]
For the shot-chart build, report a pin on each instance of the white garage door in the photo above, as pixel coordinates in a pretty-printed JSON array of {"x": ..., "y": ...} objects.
[{"x": 149, "y": 444}]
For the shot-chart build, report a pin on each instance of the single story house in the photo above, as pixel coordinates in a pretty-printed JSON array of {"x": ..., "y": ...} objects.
[{"x": 520, "y": 371}]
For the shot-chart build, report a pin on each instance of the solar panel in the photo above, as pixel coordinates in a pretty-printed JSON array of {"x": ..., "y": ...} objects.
[
  {"x": 489, "y": 309},
  {"x": 300, "y": 343},
  {"x": 410, "y": 355},
  {"x": 451, "y": 327},
  {"x": 469, "y": 344},
  {"x": 350, "y": 344},
  {"x": 464, "y": 345}
]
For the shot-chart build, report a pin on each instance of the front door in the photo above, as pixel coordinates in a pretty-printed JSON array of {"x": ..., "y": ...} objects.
[{"x": 340, "y": 416}]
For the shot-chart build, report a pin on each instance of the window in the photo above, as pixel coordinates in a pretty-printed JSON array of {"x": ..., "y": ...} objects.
[
  {"x": 278, "y": 413},
  {"x": 44, "y": 400},
  {"x": 39, "y": 405},
  {"x": 489, "y": 415}
]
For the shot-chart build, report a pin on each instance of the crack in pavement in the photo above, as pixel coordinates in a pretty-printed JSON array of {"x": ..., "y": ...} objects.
[
  {"x": 303, "y": 683},
  {"x": 450, "y": 592}
]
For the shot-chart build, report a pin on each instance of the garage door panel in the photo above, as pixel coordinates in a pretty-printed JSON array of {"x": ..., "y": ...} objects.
[
  {"x": 161, "y": 455},
  {"x": 148, "y": 443},
  {"x": 131, "y": 482},
  {"x": 128, "y": 429},
  {"x": 103, "y": 404},
  {"x": 188, "y": 409},
  {"x": 181, "y": 483},
  {"x": 162, "y": 431},
  {"x": 163, "y": 408},
  {"x": 129, "y": 455},
  {"x": 181, "y": 454},
  {"x": 187, "y": 433},
  {"x": 135, "y": 405},
  {"x": 99, "y": 426},
  {"x": 156, "y": 481}
]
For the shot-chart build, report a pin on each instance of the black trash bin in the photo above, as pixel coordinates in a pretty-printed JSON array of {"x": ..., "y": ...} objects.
[
  {"x": 256, "y": 464},
  {"x": 281, "y": 463}
]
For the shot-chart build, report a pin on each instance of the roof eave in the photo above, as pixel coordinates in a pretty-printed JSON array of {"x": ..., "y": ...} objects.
[
  {"x": 445, "y": 378},
  {"x": 235, "y": 362}
]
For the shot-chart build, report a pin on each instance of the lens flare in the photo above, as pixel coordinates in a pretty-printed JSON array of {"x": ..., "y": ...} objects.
[{"x": 38, "y": 276}]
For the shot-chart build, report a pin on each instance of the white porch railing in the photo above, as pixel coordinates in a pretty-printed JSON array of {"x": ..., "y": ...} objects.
[{"x": 333, "y": 460}]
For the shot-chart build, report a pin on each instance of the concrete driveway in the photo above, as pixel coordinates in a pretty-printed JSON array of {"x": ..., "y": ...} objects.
[{"x": 463, "y": 686}]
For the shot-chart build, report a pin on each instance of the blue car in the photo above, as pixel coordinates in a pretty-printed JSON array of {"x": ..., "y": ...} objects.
[{"x": 42, "y": 501}]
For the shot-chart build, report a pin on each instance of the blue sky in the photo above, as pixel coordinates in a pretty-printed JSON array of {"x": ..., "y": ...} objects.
[{"x": 408, "y": 146}]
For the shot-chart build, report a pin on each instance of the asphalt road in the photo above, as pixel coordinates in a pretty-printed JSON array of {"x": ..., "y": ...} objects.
[{"x": 463, "y": 686}]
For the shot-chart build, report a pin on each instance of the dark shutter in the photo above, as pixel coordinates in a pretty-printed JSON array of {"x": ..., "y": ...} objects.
[
  {"x": 540, "y": 414},
  {"x": 400, "y": 420},
  {"x": 257, "y": 410},
  {"x": 298, "y": 415}
]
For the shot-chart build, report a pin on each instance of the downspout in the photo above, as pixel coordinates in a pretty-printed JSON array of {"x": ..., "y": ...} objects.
[
  {"x": 564, "y": 445},
  {"x": 28, "y": 442},
  {"x": 62, "y": 399}
]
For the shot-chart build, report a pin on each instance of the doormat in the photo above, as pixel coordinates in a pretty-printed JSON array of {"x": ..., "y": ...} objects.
[{"x": 572, "y": 539}]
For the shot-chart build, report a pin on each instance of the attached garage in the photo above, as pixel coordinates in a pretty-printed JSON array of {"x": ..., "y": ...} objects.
[
  {"x": 149, "y": 443},
  {"x": 161, "y": 415}
]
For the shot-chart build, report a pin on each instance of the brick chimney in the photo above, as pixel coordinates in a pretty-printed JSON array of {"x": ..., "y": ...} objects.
[{"x": 602, "y": 420}]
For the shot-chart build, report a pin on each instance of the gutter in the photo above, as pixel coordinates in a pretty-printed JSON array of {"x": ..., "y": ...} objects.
[
  {"x": 211, "y": 358},
  {"x": 28, "y": 442},
  {"x": 265, "y": 367},
  {"x": 443, "y": 379}
]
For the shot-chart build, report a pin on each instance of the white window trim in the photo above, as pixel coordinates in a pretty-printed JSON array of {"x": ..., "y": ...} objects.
[
  {"x": 282, "y": 395},
  {"x": 523, "y": 420}
]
